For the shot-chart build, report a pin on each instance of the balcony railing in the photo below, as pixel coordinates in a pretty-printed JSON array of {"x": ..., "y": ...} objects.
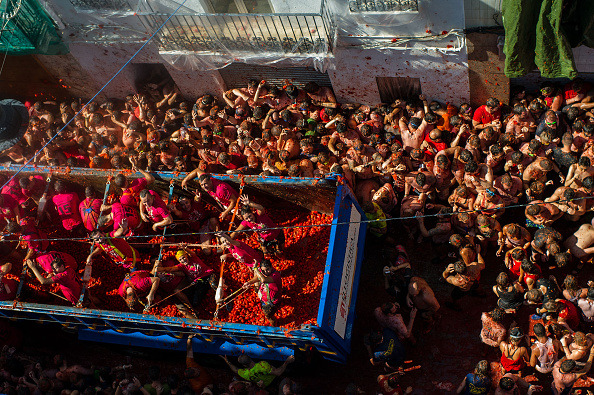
[
  {"x": 303, "y": 33},
  {"x": 383, "y": 5}
]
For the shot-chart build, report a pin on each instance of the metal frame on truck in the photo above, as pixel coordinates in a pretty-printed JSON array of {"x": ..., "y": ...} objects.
[{"x": 336, "y": 312}]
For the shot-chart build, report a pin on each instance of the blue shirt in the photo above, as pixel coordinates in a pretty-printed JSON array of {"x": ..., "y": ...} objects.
[{"x": 476, "y": 385}]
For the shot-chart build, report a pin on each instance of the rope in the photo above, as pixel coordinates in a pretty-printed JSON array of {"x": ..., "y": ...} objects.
[
  {"x": 309, "y": 226},
  {"x": 94, "y": 96}
]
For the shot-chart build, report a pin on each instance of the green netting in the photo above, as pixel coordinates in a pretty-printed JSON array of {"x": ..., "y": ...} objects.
[{"x": 30, "y": 31}]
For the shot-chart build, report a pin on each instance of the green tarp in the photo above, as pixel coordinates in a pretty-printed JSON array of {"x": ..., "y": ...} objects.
[
  {"x": 31, "y": 31},
  {"x": 541, "y": 34}
]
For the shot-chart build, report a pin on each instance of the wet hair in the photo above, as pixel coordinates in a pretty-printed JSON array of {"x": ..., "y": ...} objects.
[
  {"x": 459, "y": 267},
  {"x": 471, "y": 167},
  {"x": 518, "y": 254},
  {"x": 546, "y": 164},
  {"x": 90, "y": 192},
  {"x": 590, "y": 294},
  {"x": 492, "y": 102},
  {"x": 502, "y": 280},
  {"x": 456, "y": 239},
  {"x": 588, "y": 183},
  {"x": 567, "y": 366},
  {"x": 60, "y": 186},
  {"x": 519, "y": 109},
  {"x": 120, "y": 180},
  {"x": 534, "y": 296},
  {"x": 465, "y": 155},
  {"x": 311, "y": 87},
  {"x": 203, "y": 177},
  {"x": 534, "y": 145},
  {"x": 569, "y": 194},
  {"x": 430, "y": 118},
  {"x": 497, "y": 314},
  {"x": 584, "y": 161},
  {"x": 539, "y": 330},
  {"x": 506, "y": 383},
  {"x": 415, "y": 122},
  {"x": 482, "y": 368},
  {"x": 533, "y": 209},
  {"x": 144, "y": 193},
  {"x": 562, "y": 259},
  {"x": 495, "y": 149},
  {"x": 421, "y": 179},
  {"x": 537, "y": 186},
  {"x": 517, "y": 157}
]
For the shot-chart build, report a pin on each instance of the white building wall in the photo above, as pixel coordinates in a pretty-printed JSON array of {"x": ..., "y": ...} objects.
[{"x": 353, "y": 69}]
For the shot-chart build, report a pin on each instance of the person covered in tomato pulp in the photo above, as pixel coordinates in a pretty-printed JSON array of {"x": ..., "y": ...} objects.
[{"x": 269, "y": 284}]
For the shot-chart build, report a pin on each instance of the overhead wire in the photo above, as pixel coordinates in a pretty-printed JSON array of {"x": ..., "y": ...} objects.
[
  {"x": 94, "y": 96},
  {"x": 367, "y": 221}
]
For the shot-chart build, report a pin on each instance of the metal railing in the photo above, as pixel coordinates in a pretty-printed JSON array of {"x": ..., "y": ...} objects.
[
  {"x": 281, "y": 33},
  {"x": 383, "y": 5}
]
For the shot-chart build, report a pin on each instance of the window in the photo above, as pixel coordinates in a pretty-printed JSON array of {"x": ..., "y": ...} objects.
[
  {"x": 403, "y": 88},
  {"x": 240, "y": 6}
]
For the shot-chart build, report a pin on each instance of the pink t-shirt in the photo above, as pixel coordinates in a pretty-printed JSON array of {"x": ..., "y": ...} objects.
[
  {"x": 67, "y": 208},
  {"x": 45, "y": 260},
  {"x": 222, "y": 192},
  {"x": 245, "y": 254},
  {"x": 68, "y": 284},
  {"x": 37, "y": 187},
  {"x": 33, "y": 238},
  {"x": 196, "y": 269},
  {"x": 263, "y": 222},
  {"x": 130, "y": 195},
  {"x": 140, "y": 281},
  {"x": 158, "y": 211},
  {"x": 13, "y": 189},
  {"x": 120, "y": 212},
  {"x": 269, "y": 292},
  {"x": 89, "y": 210}
]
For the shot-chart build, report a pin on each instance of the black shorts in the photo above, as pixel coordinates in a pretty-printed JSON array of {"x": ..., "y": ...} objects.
[
  {"x": 277, "y": 243},
  {"x": 269, "y": 309}
]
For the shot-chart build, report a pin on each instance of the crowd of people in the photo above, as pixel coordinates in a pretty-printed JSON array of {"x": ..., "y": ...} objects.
[
  {"x": 456, "y": 176},
  {"x": 37, "y": 373}
]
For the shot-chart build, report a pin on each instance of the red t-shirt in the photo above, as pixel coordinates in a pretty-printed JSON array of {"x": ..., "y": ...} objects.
[
  {"x": 13, "y": 189},
  {"x": 120, "y": 212},
  {"x": 222, "y": 192},
  {"x": 33, "y": 238},
  {"x": 69, "y": 286},
  {"x": 140, "y": 281},
  {"x": 67, "y": 208},
  {"x": 119, "y": 251},
  {"x": 570, "y": 314},
  {"x": 131, "y": 195},
  {"x": 196, "y": 269},
  {"x": 89, "y": 210},
  {"x": 482, "y": 116},
  {"x": 45, "y": 260},
  {"x": 263, "y": 222},
  {"x": 438, "y": 146},
  {"x": 569, "y": 93},
  {"x": 245, "y": 254},
  {"x": 158, "y": 211}
]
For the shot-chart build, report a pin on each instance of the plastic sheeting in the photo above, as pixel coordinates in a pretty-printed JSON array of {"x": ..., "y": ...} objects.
[{"x": 25, "y": 29}]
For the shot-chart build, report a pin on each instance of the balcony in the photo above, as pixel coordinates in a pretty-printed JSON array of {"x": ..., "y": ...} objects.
[
  {"x": 383, "y": 5},
  {"x": 244, "y": 34}
]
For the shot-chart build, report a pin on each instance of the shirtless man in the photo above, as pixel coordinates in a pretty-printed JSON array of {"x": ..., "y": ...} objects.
[
  {"x": 580, "y": 243},
  {"x": 569, "y": 201},
  {"x": 537, "y": 171},
  {"x": 464, "y": 278},
  {"x": 521, "y": 124},
  {"x": 477, "y": 177},
  {"x": 411, "y": 133},
  {"x": 513, "y": 235},
  {"x": 462, "y": 199},
  {"x": 465, "y": 246},
  {"x": 409, "y": 206},
  {"x": 421, "y": 296},
  {"x": 421, "y": 182},
  {"x": 578, "y": 172},
  {"x": 509, "y": 187},
  {"x": 442, "y": 170},
  {"x": 577, "y": 347},
  {"x": 489, "y": 203},
  {"x": 546, "y": 242},
  {"x": 487, "y": 230},
  {"x": 540, "y": 214}
]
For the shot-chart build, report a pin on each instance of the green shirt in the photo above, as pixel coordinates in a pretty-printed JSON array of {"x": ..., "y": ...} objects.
[{"x": 260, "y": 372}]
